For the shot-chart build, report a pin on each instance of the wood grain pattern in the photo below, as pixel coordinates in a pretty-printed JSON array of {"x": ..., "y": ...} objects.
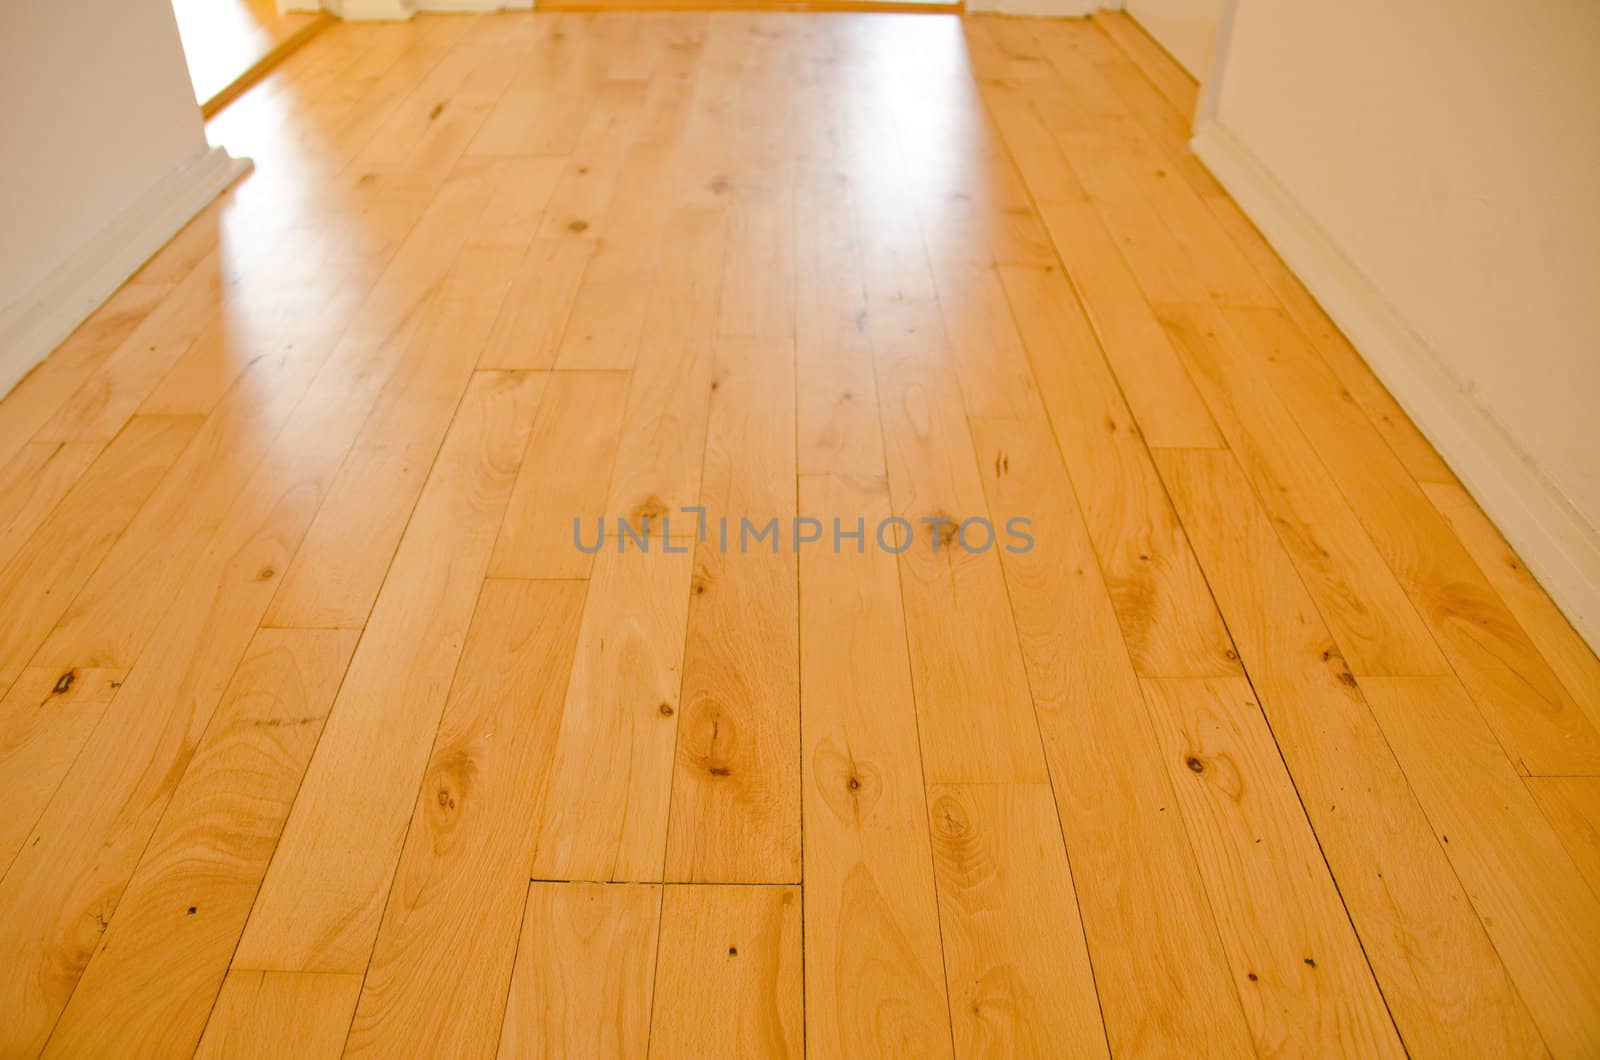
[
  {"x": 563, "y": 479},
  {"x": 1442, "y": 979},
  {"x": 874, "y": 976},
  {"x": 358, "y": 790},
  {"x": 1534, "y": 902},
  {"x": 963, "y": 644},
  {"x": 735, "y": 791},
  {"x": 728, "y": 974},
  {"x": 471, "y": 834},
  {"x": 1247, "y": 733},
  {"x": 1302, "y": 977},
  {"x": 1014, "y": 951},
  {"x": 333, "y": 581},
  {"x": 1572, "y": 806},
  {"x": 1166, "y": 613},
  {"x": 45, "y": 719},
  {"x": 1357, "y": 594},
  {"x": 160, "y": 964},
  {"x": 608, "y": 777},
  {"x": 1573, "y": 661},
  {"x": 585, "y": 971},
  {"x": 276, "y": 1014},
  {"x": 1160, "y": 969},
  {"x": 44, "y": 575}
]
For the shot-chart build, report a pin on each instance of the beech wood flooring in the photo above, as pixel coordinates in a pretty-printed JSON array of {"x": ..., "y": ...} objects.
[{"x": 320, "y": 736}]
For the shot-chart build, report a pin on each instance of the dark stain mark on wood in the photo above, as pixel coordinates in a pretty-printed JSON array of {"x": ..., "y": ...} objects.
[
  {"x": 438, "y": 109},
  {"x": 580, "y": 225}
]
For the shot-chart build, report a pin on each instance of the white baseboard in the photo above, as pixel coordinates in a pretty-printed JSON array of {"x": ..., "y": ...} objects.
[
  {"x": 372, "y": 10},
  {"x": 400, "y": 10},
  {"x": 1036, "y": 8},
  {"x": 37, "y": 322},
  {"x": 1558, "y": 545}
]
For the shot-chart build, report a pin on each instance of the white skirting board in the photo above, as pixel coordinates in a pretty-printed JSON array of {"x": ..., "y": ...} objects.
[
  {"x": 1555, "y": 541},
  {"x": 38, "y": 321},
  {"x": 1036, "y": 8},
  {"x": 400, "y": 10},
  {"x": 1043, "y": 8}
]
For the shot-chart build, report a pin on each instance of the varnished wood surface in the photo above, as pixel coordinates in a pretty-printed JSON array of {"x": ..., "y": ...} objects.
[{"x": 318, "y": 736}]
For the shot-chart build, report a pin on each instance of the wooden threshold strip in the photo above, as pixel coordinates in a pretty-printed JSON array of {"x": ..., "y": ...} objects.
[{"x": 264, "y": 65}]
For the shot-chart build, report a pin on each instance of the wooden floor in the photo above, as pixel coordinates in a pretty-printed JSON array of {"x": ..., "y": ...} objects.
[
  {"x": 320, "y": 735},
  {"x": 228, "y": 43}
]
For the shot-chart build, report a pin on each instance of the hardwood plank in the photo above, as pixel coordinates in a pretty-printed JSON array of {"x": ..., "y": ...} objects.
[
  {"x": 984, "y": 347},
  {"x": 1537, "y": 719},
  {"x": 1159, "y": 392},
  {"x": 1382, "y": 410},
  {"x": 1572, "y": 806},
  {"x": 605, "y": 328},
  {"x": 728, "y": 974},
  {"x": 585, "y": 971},
  {"x": 515, "y": 210},
  {"x": 278, "y": 1014},
  {"x": 527, "y": 333},
  {"x": 608, "y": 778},
  {"x": 976, "y": 718},
  {"x": 1159, "y": 966},
  {"x": 836, "y": 409},
  {"x": 1165, "y": 610},
  {"x": 595, "y": 165},
  {"x": 758, "y": 273},
  {"x": 564, "y": 478},
  {"x": 321, "y": 900},
  {"x": 1572, "y": 659},
  {"x": 659, "y": 455},
  {"x": 99, "y": 407},
  {"x": 45, "y": 719},
  {"x": 292, "y": 411},
  {"x": 1176, "y": 86},
  {"x": 1533, "y": 901},
  {"x": 874, "y": 973},
  {"x": 44, "y": 576},
  {"x": 1014, "y": 951},
  {"x": 439, "y": 972},
  {"x": 1358, "y": 595},
  {"x": 1301, "y": 974},
  {"x": 340, "y": 566},
  {"x": 735, "y": 814},
  {"x": 71, "y": 872},
  {"x": 39, "y": 395},
  {"x": 1440, "y": 975},
  {"x": 162, "y": 960},
  {"x": 256, "y": 320},
  {"x": 1013, "y": 107},
  {"x": 33, "y": 482}
]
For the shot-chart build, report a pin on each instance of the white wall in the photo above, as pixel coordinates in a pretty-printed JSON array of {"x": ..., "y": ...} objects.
[
  {"x": 1430, "y": 169},
  {"x": 1187, "y": 29},
  {"x": 103, "y": 145}
]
